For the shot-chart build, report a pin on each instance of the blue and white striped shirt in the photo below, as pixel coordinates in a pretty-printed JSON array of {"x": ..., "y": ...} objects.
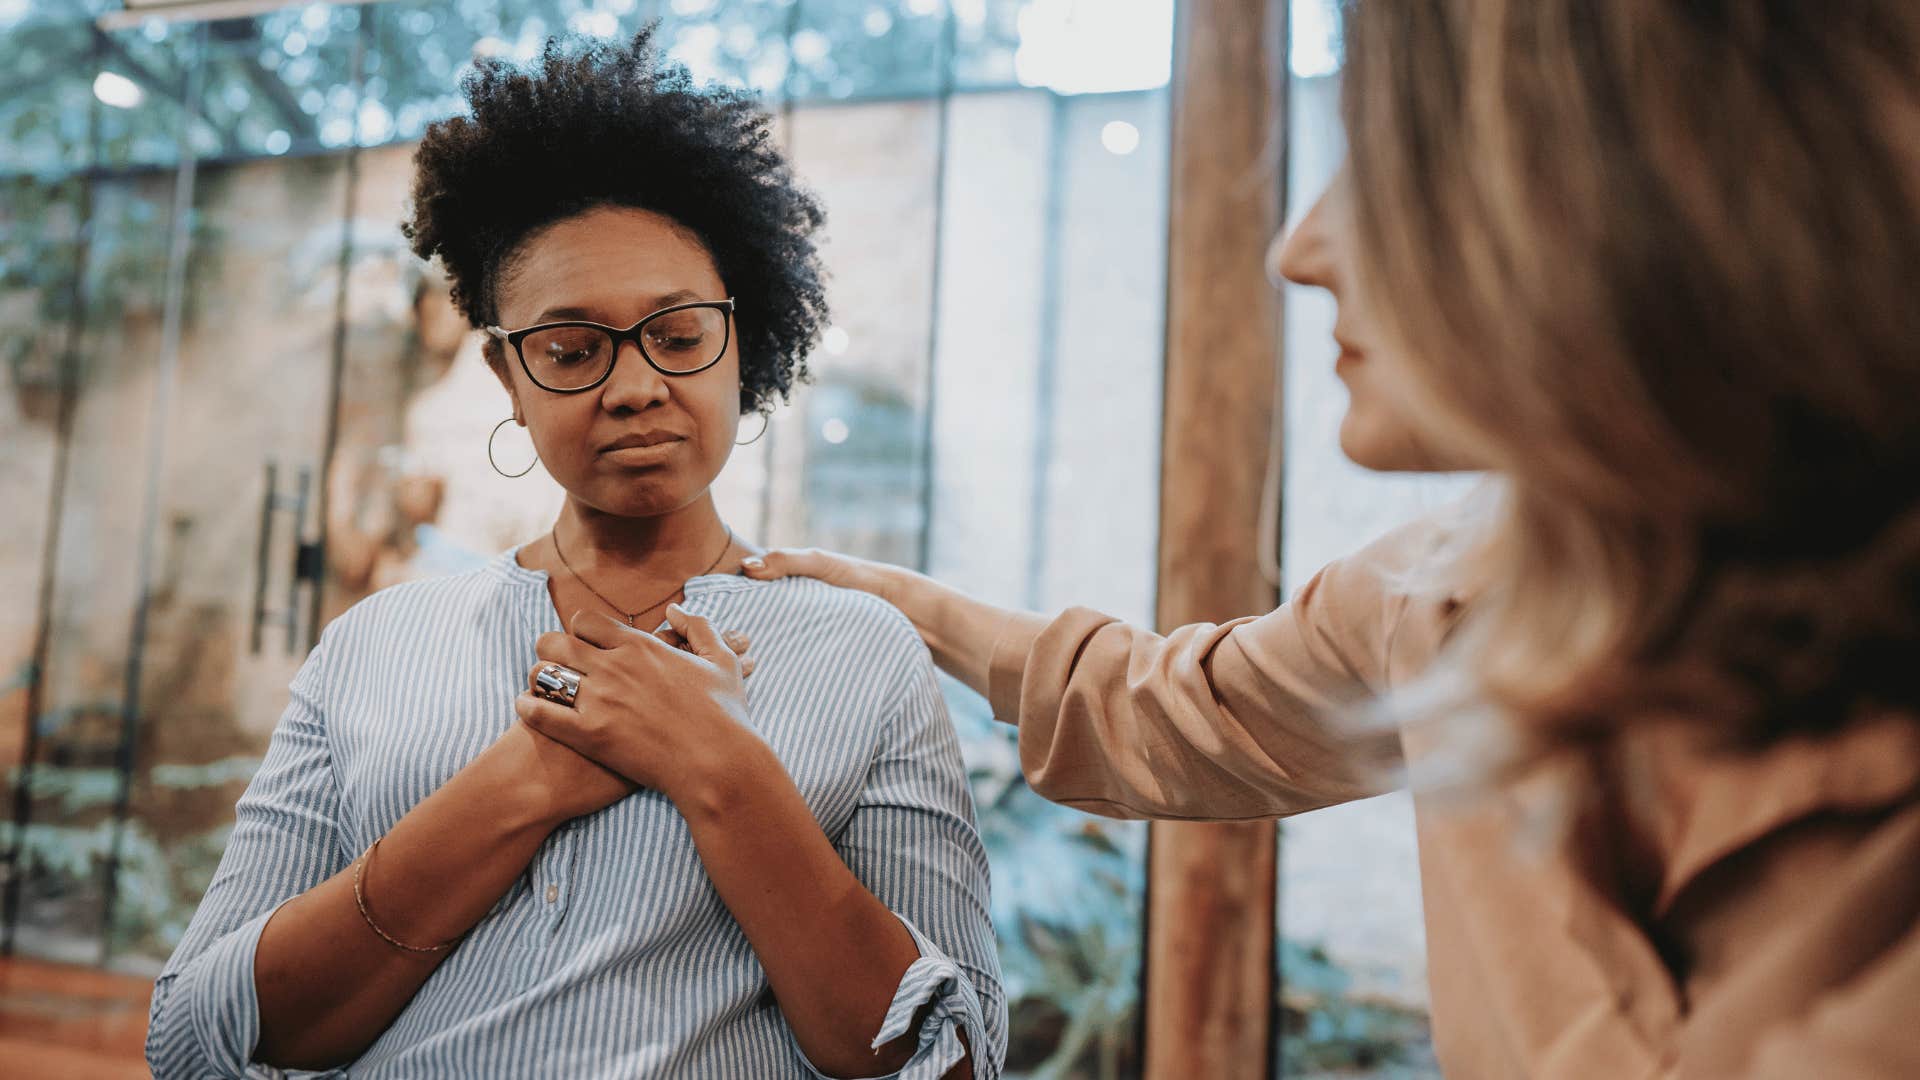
[{"x": 612, "y": 956}]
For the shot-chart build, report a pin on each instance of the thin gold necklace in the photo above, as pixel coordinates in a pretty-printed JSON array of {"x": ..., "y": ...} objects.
[{"x": 632, "y": 617}]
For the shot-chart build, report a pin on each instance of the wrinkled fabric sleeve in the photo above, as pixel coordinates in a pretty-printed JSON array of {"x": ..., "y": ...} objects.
[
  {"x": 205, "y": 1015},
  {"x": 914, "y": 843},
  {"x": 1235, "y": 721}
]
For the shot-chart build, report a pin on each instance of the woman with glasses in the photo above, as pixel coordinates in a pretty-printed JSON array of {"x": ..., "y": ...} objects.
[
  {"x": 535, "y": 820},
  {"x": 1653, "y": 265}
]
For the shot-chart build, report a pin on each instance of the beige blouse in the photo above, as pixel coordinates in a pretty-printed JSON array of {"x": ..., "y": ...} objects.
[{"x": 1761, "y": 918}]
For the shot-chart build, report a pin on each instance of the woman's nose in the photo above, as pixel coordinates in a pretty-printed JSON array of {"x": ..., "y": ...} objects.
[
  {"x": 634, "y": 384},
  {"x": 1301, "y": 255}
]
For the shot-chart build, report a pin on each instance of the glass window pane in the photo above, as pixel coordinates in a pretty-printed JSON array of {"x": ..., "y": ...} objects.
[
  {"x": 40, "y": 251},
  {"x": 239, "y": 473},
  {"x": 73, "y": 777},
  {"x": 1046, "y": 470}
]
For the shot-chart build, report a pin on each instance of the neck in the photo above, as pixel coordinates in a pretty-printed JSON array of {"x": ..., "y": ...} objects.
[{"x": 679, "y": 543}]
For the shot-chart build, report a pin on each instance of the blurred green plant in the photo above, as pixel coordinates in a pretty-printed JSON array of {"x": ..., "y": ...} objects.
[{"x": 1328, "y": 1028}]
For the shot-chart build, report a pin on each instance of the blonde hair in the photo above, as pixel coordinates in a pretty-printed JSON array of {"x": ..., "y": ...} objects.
[{"x": 1659, "y": 263}]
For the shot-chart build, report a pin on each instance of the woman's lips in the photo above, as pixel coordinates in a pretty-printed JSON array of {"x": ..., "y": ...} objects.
[{"x": 642, "y": 456}]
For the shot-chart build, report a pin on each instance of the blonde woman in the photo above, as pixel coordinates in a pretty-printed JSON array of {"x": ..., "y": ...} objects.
[{"x": 1653, "y": 265}]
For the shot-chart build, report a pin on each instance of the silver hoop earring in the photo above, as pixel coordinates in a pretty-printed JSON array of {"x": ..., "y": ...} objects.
[
  {"x": 766, "y": 420},
  {"x": 495, "y": 464}
]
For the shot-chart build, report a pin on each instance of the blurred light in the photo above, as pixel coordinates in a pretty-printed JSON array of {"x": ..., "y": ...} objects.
[
  {"x": 877, "y": 22},
  {"x": 489, "y": 46},
  {"x": 1315, "y": 29},
  {"x": 312, "y": 101},
  {"x": 691, "y": 7},
  {"x": 376, "y": 123},
  {"x": 595, "y": 23},
  {"x": 117, "y": 90},
  {"x": 12, "y": 11},
  {"x": 154, "y": 30},
  {"x": 923, "y": 7},
  {"x": 278, "y": 142},
  {"x": 1095, "y": 46},
  {"x": 1120, "y": 137},
  {"x": 316, "y": 16},
  {"x": 294, "y": 43},
  {"x": 835, "y": 340},
  {"x": 698, "y": 47},
  {"x": 835, "y": 431},
  {"x": 336, "y": 132},
  {"x": 618, "y": 7},
  {"x": 810, "y": 46}
]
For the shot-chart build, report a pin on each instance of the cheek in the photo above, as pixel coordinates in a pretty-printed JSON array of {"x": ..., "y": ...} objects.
[
  {"x": 560, "y": 424},
  {"x": 1374, "y": 432},
  {"x": 713, "y": 400}
]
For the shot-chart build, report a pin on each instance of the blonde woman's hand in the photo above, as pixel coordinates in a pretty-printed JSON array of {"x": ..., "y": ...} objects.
[
  {"x": 660, "y": 710},
  {"x": 845, "y": 571}
]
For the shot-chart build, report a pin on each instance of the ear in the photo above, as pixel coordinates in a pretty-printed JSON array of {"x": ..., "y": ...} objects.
[{"x": 495, "y": 353}]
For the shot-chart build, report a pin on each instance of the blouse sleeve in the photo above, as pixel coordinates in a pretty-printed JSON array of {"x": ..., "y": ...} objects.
[
  {"x": 205, "y": 1016},
  {"x": 913, "y": 842},
  {"x": 1234, "y": 721}
]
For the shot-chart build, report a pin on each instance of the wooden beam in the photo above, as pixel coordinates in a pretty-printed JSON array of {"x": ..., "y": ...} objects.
[{"x": 1210, "y": 936}]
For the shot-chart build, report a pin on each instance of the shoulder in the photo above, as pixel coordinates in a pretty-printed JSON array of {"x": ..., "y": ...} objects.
[
  {"x": 864, "y": 631},
  {"x": 444, "y": 603},
  {"x": 841, "y": 613}
]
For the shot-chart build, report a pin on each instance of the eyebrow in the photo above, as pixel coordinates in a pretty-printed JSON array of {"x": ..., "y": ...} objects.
[{"x": 565, "y": 314}]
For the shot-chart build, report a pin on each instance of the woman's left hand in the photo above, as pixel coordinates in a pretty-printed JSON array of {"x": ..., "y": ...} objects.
[{"x": 657, "y": 714}]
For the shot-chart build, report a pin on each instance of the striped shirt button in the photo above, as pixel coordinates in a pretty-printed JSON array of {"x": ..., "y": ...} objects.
[{"x": 553, "y": 893}]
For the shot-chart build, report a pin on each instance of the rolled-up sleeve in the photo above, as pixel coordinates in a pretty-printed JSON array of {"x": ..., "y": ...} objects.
[
  {"x": 914, "y": 843},
  {"x": 205, "y": 1015},
  {"x": 1231, "y": 721}
]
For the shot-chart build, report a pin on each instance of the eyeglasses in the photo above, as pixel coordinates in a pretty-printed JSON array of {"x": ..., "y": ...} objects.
[{"x": 571, "y": 357}]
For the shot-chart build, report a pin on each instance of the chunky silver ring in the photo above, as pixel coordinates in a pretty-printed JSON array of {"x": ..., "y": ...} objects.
[{"x": 557, "y": 683}]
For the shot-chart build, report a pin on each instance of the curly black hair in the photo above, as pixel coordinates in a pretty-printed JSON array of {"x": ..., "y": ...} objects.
[{"x": 641, "y": 134}]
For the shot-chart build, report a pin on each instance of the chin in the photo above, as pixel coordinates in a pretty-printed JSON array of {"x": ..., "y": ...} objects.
[
  {"x": 637, "y": 495},
  {"x": 1370, "y": 447}
]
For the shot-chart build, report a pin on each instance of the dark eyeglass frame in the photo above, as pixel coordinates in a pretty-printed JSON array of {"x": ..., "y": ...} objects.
[{"x": 619, "y": 337}]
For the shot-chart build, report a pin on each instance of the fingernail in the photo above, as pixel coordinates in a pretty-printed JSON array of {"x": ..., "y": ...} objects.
[{"x": 754, "y": 562}]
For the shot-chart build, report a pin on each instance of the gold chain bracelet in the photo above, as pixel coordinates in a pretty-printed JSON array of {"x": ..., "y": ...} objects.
[{"x": 360, "y": 901}]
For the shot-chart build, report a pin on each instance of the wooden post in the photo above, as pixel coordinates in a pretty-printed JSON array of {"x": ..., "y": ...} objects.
[{"x": 1210, "y": 937}]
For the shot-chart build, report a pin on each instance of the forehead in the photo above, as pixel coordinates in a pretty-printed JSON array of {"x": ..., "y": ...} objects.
[{"x": 613, "y": 264}]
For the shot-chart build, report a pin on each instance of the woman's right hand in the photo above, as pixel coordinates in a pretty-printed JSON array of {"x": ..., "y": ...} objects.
[
  {"x": 845, "y": 571},
  {"x": 567, "y": 784}
]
